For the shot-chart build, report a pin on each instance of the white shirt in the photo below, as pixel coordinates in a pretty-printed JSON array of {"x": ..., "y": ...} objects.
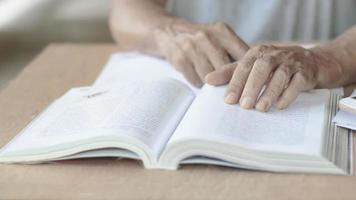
[{"x": 266, "y": 20}]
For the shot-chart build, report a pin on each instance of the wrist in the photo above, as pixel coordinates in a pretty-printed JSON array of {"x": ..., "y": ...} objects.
[{"x": 329, "y": 71}]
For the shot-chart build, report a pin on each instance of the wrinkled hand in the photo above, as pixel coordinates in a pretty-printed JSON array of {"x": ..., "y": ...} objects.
[
  {"x": 196, "y": 50},
  {"x": 285, "y": 71}
]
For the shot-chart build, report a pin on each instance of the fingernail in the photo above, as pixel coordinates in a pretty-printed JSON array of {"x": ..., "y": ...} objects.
[
  {"x": 231, "y": 98},
  {"x": 262, "y": 105},
  {"x": 206, "y": 78},
  {"x": 247, "y": 103},
  {"x": 281, "y": 105}
]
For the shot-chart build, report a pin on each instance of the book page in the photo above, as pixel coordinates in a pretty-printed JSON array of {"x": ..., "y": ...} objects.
[
  {"x": 298, "y": 128},
  {"x": 148, "y": 111},
  {"x": 136, "y": 66}
]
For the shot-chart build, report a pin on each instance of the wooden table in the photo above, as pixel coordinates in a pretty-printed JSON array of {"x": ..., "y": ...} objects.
[{"x": 62, "y": 66}]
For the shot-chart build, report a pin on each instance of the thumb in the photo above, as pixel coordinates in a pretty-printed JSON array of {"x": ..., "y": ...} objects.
[{"x": 221, "y": 76}]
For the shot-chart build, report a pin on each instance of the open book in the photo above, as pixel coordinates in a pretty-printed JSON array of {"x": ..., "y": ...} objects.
[{"x": 140, "y": 108}]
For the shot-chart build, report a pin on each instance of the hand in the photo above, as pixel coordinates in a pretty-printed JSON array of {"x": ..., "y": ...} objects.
[
  {"x": 285, "y": 71},
  {"x": 196, "y": 50}
]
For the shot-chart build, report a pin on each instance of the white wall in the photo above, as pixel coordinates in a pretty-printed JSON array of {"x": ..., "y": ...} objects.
[{"x": 26, "y": 26}]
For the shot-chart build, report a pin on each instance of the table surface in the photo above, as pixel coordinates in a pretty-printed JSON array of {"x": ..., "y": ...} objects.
[{"x": 62, "y": 66}]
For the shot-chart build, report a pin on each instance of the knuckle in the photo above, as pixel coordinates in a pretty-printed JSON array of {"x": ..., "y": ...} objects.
[
  {"x": 307, "y": 53},
  {"x": 274, "y": 91},
  {"x": 187, "y": 46},
  {"x": 281, "y": 53},
  {"x": 268, "y": 60},
  {"x": 261, "y": 48},
  {"x": 284, "y": 72},
  {"x": 301, "y": 78},
  {"x": 201, "y": 35},
  {"x": 243, "y": 66},
  {"x": 259, "y": 72},
  {"x": 262, "y": 66},
  {"x": 290, "y": 55},
  {"x": 272, "y": 94},
  {"x": 251, "y": 53}
]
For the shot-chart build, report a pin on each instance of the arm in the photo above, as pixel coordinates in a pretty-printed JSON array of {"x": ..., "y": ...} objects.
[
  {"x": 287, "y": 71},
  {"x": 342, "y": 52},
  {"x": 132, "y": 22},
  {"x": 193, "y": 49}
]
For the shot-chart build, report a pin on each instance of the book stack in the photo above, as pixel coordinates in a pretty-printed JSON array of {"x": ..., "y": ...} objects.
[{"x": 346, "y": 117}]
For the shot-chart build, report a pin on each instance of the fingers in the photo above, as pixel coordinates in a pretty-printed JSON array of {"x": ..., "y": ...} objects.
[
  {"x": 216, "y": 54},
  {"x": 181, "y": 53},
  {"x": 297, "y": 85},
  {"x": 185, "y": 66},
  {"x": 235, "y": 46},
  {"x": 200, "y": 49},
  {"x": 176, "y": 56},
  {"x": 284, "y": 71},
  {"x": 275, "y": 87},
  {"x": 202, "y": 66},
  {"x": 256, "y": 80},
  {"x": 221, "y": 76},
  {"x": 239, "y": 78}
]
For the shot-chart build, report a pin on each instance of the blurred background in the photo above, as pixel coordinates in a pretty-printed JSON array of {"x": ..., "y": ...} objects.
[{"x": 27, "y": 26}]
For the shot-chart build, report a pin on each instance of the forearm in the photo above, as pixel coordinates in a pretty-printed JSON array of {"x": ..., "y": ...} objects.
[
  {"x": 341, "y": 52},
  {"x": 133, "y": 22}
]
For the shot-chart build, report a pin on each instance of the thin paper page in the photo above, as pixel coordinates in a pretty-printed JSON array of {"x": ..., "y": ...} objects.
[
  {"x": 297, "y": 128},
  {"x": 36, "y": 134},
  {"x": 146, "y": 110},
  {"x": 346, "y": 119},
  {"x": 137, "y": 66},
  {"x": 152, "y": 114}
]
